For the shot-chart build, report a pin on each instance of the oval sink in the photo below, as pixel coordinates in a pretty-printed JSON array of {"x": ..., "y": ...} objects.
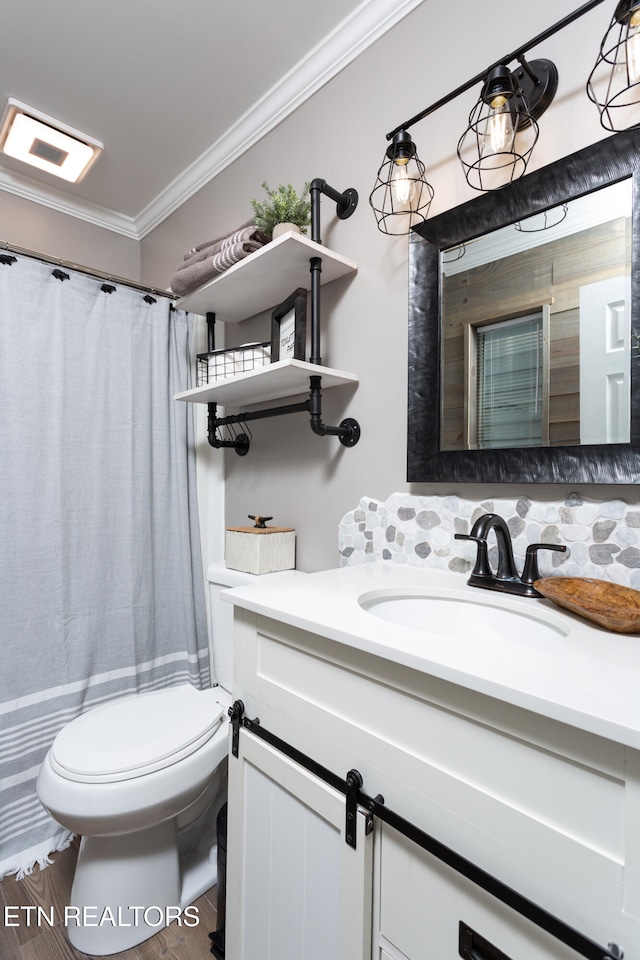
[{"x": 453, "y": 614}]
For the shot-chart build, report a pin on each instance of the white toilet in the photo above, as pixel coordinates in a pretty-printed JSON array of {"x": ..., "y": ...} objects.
[{"x": 135, "y": 777}]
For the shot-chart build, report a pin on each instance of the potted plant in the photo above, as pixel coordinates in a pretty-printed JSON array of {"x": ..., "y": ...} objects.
[{"x": 283, "y": 210}]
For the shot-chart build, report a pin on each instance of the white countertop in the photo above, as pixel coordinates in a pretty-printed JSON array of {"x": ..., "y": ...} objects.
[{"x": 577, "y": 673}]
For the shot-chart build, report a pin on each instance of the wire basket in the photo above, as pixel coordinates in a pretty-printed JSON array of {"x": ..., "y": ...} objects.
[{"x": 220, "y": 364}]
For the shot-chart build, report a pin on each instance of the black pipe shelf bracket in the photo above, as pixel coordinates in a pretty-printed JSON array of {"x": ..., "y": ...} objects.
[{"x": 221, "y": 432}]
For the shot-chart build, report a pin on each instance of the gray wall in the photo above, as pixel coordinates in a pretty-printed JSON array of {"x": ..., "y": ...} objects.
[
  {"x": 309, "y": 482},
  {"x": 303, "y": 480},
  {"x": 44, "y": 230}
]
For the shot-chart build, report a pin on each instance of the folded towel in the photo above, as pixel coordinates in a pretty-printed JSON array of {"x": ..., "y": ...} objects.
[
  {"x": 247, "y": 234},
  {"x": 227, "y": 252},
  {"x": 209, "y": 243}
]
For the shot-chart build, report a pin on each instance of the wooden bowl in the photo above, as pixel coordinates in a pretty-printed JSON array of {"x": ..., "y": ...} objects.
[{"x": 611, "y": 606}]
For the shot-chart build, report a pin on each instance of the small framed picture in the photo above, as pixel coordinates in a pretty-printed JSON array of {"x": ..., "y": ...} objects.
[{"x": 289, "y": 328}]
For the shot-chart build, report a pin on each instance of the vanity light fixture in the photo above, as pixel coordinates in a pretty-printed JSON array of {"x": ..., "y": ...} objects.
[
  {"x": 502, "y": 131},
  {"x": 497, "y": 145},
  {"x": 36, "y": 138},
  {"x": 401, "y": 196},
  {"x": 614, "y": 82}
]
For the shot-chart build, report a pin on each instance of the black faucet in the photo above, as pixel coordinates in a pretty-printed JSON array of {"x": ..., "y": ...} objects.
[{"x": 505, "y": 578}]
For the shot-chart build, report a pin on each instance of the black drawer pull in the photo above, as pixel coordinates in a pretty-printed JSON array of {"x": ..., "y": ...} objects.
[{"x": 472, "y": 946}]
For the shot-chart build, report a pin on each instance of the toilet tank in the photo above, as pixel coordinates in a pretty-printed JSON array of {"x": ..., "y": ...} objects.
[{"x": 220, "y": 613}]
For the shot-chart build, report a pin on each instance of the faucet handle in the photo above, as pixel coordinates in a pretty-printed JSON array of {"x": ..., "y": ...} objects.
[
  {"x": 482, "y": 568},
  {"x": 531, "y": 573}
]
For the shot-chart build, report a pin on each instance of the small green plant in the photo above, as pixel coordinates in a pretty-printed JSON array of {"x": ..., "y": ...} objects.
[{"x": 282, "y": 206}]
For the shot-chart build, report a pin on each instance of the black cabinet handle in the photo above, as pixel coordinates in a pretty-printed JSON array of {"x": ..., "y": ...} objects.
[{"x": 472, "y": 946}]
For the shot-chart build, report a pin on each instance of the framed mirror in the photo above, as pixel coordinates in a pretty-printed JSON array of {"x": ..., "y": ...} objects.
[{"x": 546, "y": 271}]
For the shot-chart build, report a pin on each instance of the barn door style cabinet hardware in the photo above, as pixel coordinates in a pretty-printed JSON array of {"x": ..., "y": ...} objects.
[
  {"x": 262, "y": 281},
  {"x": 471, "y": 944}
]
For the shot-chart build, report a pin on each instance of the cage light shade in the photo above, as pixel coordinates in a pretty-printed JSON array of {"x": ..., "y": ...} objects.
[
  {"x": 614, "y": 82},
  {"x": 496, "y": 147},
  {"x": 401, "y": 195},
  {"x": 35, "y": 138}
]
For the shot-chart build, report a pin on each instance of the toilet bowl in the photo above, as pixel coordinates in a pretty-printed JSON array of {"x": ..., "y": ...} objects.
[
  {"x": 126, "y": 776},
  {"x": 142, "y": 779}
]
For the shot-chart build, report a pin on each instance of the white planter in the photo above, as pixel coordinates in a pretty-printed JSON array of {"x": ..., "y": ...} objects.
[{"x": 281, "y": 228}]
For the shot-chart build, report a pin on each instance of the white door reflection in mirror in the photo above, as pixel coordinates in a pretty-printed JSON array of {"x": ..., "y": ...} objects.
[{"x": 605, "y": 360}]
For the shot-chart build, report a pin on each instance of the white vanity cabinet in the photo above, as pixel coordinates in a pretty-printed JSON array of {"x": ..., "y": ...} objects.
[{"x": 549, "y": 809}]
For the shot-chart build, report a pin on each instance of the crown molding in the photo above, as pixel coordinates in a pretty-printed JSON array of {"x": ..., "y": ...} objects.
[
  {"x": 28, "y": 189},
  {"x": 368, "y": 22}
]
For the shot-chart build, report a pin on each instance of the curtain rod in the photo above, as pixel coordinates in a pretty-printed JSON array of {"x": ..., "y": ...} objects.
[{"x": 98, "y": 274}]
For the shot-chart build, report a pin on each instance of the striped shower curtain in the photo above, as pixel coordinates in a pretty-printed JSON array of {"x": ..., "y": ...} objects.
[{"x": 101, "y": 588}]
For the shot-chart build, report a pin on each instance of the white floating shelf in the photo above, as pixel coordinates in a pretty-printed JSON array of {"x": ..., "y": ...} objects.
[
  {"x": 265, "y": 278},
  {"x": 285, "y": 378}
]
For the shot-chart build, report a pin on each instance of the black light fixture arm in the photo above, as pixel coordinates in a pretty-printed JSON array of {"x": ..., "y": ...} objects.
[
  {"x": 515, "y": 55},
  {"x": 524, "y": 63}
]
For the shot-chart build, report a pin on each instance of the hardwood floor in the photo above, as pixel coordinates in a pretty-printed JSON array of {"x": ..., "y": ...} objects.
[{"x": 50, "y": 889}]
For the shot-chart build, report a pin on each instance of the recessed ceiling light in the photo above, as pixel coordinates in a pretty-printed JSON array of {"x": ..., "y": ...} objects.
[{"x": 44, "y": 142}]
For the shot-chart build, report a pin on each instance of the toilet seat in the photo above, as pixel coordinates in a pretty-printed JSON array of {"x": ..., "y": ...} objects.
[{"x": 136, "y": 735}]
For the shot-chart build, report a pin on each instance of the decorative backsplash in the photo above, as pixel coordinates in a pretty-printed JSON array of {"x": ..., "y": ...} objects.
[{"x": 603, "y": 539}]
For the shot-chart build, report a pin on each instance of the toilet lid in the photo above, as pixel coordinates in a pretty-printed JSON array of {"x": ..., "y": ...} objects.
[{"x": 136, "y": 735}]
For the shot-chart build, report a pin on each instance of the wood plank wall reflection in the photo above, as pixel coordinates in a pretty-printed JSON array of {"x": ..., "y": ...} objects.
[{"x": 550, "y": 274}]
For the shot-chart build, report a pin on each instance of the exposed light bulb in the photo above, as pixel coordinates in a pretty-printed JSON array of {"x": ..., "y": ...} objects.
[
  {"x": 402, "y": 185},
  {"x": 633, "y": 47},
  {"x": 499, "y": 132}
]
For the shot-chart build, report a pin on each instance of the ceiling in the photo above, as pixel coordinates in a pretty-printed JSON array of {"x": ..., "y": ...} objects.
[{"x": 175, "y": 89}]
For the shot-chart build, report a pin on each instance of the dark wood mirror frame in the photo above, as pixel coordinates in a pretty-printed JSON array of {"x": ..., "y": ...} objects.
[{"x": 604, "y": 163}]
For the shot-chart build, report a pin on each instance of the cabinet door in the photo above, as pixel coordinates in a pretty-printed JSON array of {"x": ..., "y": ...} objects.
[
  {"x": 429, "y": 910},
  {"x": 295, "y": 889}
]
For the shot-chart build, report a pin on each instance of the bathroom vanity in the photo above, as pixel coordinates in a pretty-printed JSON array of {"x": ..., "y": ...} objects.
[{"x": 505, "y": 731}]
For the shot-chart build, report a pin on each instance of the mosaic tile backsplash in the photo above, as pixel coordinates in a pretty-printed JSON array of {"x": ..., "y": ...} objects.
[{"x": 603, "y": 539}]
